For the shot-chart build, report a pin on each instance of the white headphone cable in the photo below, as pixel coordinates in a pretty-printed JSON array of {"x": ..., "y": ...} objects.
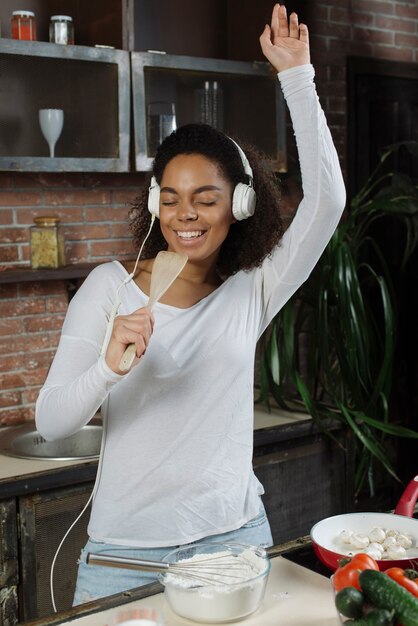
[{"x": 113, "y": 313}]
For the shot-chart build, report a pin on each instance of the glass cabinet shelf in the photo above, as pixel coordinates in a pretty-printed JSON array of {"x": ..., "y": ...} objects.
[
  {"x": 92, "y": 87},
  {"x": 242, "y": 99}
]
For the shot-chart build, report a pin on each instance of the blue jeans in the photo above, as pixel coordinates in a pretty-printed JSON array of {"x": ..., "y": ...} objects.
[{"x": 95, "y": 582}]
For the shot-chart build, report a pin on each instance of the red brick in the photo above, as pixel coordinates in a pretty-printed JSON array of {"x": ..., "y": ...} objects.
[
  {"x": 338, "y": 104},
  {"x": 20, "y": 198},
  {"x": 26, "y": 306},
  {"x": 407, "y": 41},
  {"x": 394, "y": 24},
  {"x": 77, "y": 253},
  {"x": 125, "y": 197},
  {"x": 10, "y": 327},
  {"x": 57, "y": 305},
  {"x": 107, "y": 214},
  {"x": 373, "y": 36},
  {"x": 10, "y": 398},
  {"x": 407, "y": 10},
  {"x": 6, "y": 180},
  {"x": 20, "y": 415},
  {"x": 120, "y": 230},
  {"x": 112, "y": 180},
  {"x": 30, "y": 395},
  {"x": 363, "y": 19},
  {"x": 334, "y": 30},
  {"x": 9, "y": 254},
  {"x": 341, "y": 15},
  {"x": 39, "y": 360},
  {"x": 24, "y": 343},
  {"x": 371, "y": 6},
  {"x": 83, "y": 232},
  {"x": 26, "y": 216},
  {"x": 76, "y": 197},
  {"x": 113, "y": 247},
  {"x": 15, "y": 235},
  {"x": 361, "y": 48},
  {"x": 6, "y": 216},
  {"x": 12, "y": 362},
  {"x": 389, "y": 52},
  {"x": 40, "y": 323},
  {"x": 36, "y": 376},
  {"x": 12, "y": 381}
]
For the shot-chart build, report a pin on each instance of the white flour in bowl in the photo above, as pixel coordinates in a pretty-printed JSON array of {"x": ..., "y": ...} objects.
[{"x": 220, "y": 601}]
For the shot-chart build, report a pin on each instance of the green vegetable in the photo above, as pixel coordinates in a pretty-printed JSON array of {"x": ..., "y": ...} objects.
[
  {"x": 378, "y": 617},
  {"x": 385, "y": 593},
  {"x": 349, "y": 602}
]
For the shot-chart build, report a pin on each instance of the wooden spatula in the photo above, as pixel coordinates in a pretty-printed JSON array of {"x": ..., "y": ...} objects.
[{"x": 167, "y": 266}]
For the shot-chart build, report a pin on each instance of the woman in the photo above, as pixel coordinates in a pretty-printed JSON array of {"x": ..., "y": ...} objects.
[{"x": 177, "y": 461}]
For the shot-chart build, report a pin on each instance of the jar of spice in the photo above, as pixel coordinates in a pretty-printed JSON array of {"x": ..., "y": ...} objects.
[
  {"x": 61, "y": 29},
  {"x": 47, "y": 248},
  {"x": 23, "y": 25}
]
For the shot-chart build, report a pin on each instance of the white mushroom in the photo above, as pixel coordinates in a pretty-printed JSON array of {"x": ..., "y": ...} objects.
[
  {"x": 404, "y": 541},
  {"x": 375, "y": 554},
  {"x": 359, "y": 541},
  {"x": 392, "y": 533},
  {"x": 345, "y": 536},
  {"x": 389, "y": 541},
  {"x": 396, "y": 552},
  {"x": 377, "y": 547},
  {"x": 377, "y": 535}
]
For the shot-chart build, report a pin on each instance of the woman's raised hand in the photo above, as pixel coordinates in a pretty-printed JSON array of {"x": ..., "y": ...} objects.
[
  {"x": 286, "y": 42},
  {"x": 134, "y": 328}
]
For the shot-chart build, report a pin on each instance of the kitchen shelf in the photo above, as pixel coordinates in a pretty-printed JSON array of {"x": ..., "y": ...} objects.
[
  {"x": 91, "y": 85},
  {"x": 252, "y": 101},
  {"x": 68, "y": 272}
]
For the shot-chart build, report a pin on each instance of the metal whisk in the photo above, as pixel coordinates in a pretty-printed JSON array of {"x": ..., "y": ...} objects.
[{"x": 216, "y": 569}]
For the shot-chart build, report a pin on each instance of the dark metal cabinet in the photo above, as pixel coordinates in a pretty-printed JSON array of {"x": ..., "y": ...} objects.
[
  {"x": 9, "y": 567},
  {"x": 307, "y": 477},
  {"x": 44, "y": 519}
]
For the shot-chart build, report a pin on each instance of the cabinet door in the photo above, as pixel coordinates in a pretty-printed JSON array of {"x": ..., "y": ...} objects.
[
  {"x": 44, "y": 520},
  {"x": 8, "y": 563},
  {"x": 305, "y": 480}
]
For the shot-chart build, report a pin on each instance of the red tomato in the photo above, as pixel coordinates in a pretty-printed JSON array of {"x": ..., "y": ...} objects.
[
  {"x": 406, "y": 578},
  {"x": 349, "y": 570}
]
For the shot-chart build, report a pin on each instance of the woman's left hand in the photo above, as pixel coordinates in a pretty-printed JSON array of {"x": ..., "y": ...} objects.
[{"x": 286, "y": 42}]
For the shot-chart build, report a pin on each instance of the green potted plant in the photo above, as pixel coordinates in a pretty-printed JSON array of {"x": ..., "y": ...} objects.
[{"x": 330, "y": 349}]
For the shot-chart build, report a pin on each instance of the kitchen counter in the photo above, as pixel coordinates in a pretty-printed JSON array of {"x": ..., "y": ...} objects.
[
  {"x": 14, "y": 472},
  {"x": 295, "y": 596}
]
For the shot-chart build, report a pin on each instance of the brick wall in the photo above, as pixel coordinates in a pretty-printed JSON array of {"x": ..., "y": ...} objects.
[{"x": 94, "y": 207}]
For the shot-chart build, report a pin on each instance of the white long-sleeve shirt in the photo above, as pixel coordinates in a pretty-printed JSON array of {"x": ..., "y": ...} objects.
[{"x": 177, "y": 460}]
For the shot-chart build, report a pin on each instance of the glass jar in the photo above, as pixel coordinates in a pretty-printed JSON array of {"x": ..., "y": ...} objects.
[
  {"x": 23, "y": 25},
  {"x": 61, "y": 29},
  {"x": 47, "y": 248}
]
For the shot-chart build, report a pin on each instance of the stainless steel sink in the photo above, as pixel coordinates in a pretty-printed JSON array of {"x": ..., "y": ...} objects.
[{"x": 25, "y": 442}]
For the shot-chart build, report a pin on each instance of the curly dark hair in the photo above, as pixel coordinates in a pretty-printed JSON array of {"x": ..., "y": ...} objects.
[{"x": 248, "y": 241}]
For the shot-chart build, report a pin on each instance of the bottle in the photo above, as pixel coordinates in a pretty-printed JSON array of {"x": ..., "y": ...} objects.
[
  {"x": 47, "y": 249},
  {"x": 23, "y": 25},
  {"x": 61, "y": 29}
]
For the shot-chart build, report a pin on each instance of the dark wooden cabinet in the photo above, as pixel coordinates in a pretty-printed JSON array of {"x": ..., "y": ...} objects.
[{"x": 9, "y": 565}]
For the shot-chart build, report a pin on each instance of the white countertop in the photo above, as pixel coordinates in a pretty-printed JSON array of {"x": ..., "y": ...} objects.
[
  {"x": 13, "y": 467},
  {"x": 295, "y": 596}
]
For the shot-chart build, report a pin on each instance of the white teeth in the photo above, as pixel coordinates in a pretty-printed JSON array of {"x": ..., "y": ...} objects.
[{"x": 189, "y": 234}]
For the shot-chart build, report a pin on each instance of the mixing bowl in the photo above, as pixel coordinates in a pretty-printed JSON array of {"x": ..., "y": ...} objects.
[{"x": 217, "y": 597}]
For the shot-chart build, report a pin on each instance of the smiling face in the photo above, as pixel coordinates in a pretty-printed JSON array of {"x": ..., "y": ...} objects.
[{"x": 195, "y": 207}]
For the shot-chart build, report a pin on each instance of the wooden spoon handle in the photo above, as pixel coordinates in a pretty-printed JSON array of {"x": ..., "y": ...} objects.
[{"x": 127, "y": 358}]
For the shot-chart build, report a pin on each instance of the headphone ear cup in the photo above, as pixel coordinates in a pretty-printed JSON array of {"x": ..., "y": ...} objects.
[
  {"x": 243, "y": 201},
  {"x": 154, "y": 198}
]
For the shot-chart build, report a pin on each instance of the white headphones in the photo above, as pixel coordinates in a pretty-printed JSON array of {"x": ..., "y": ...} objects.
[{"x": 243, "y": 199}]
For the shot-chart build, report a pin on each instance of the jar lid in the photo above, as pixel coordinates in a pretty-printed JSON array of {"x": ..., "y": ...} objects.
[
  {"x": 61, "y": 18},
  {"x": 24, "y": 13},
  {"x": 46, "y": 220}
]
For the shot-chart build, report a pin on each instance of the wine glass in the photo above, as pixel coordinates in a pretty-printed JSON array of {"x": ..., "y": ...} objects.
[{"x": 51, "y": 122}]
